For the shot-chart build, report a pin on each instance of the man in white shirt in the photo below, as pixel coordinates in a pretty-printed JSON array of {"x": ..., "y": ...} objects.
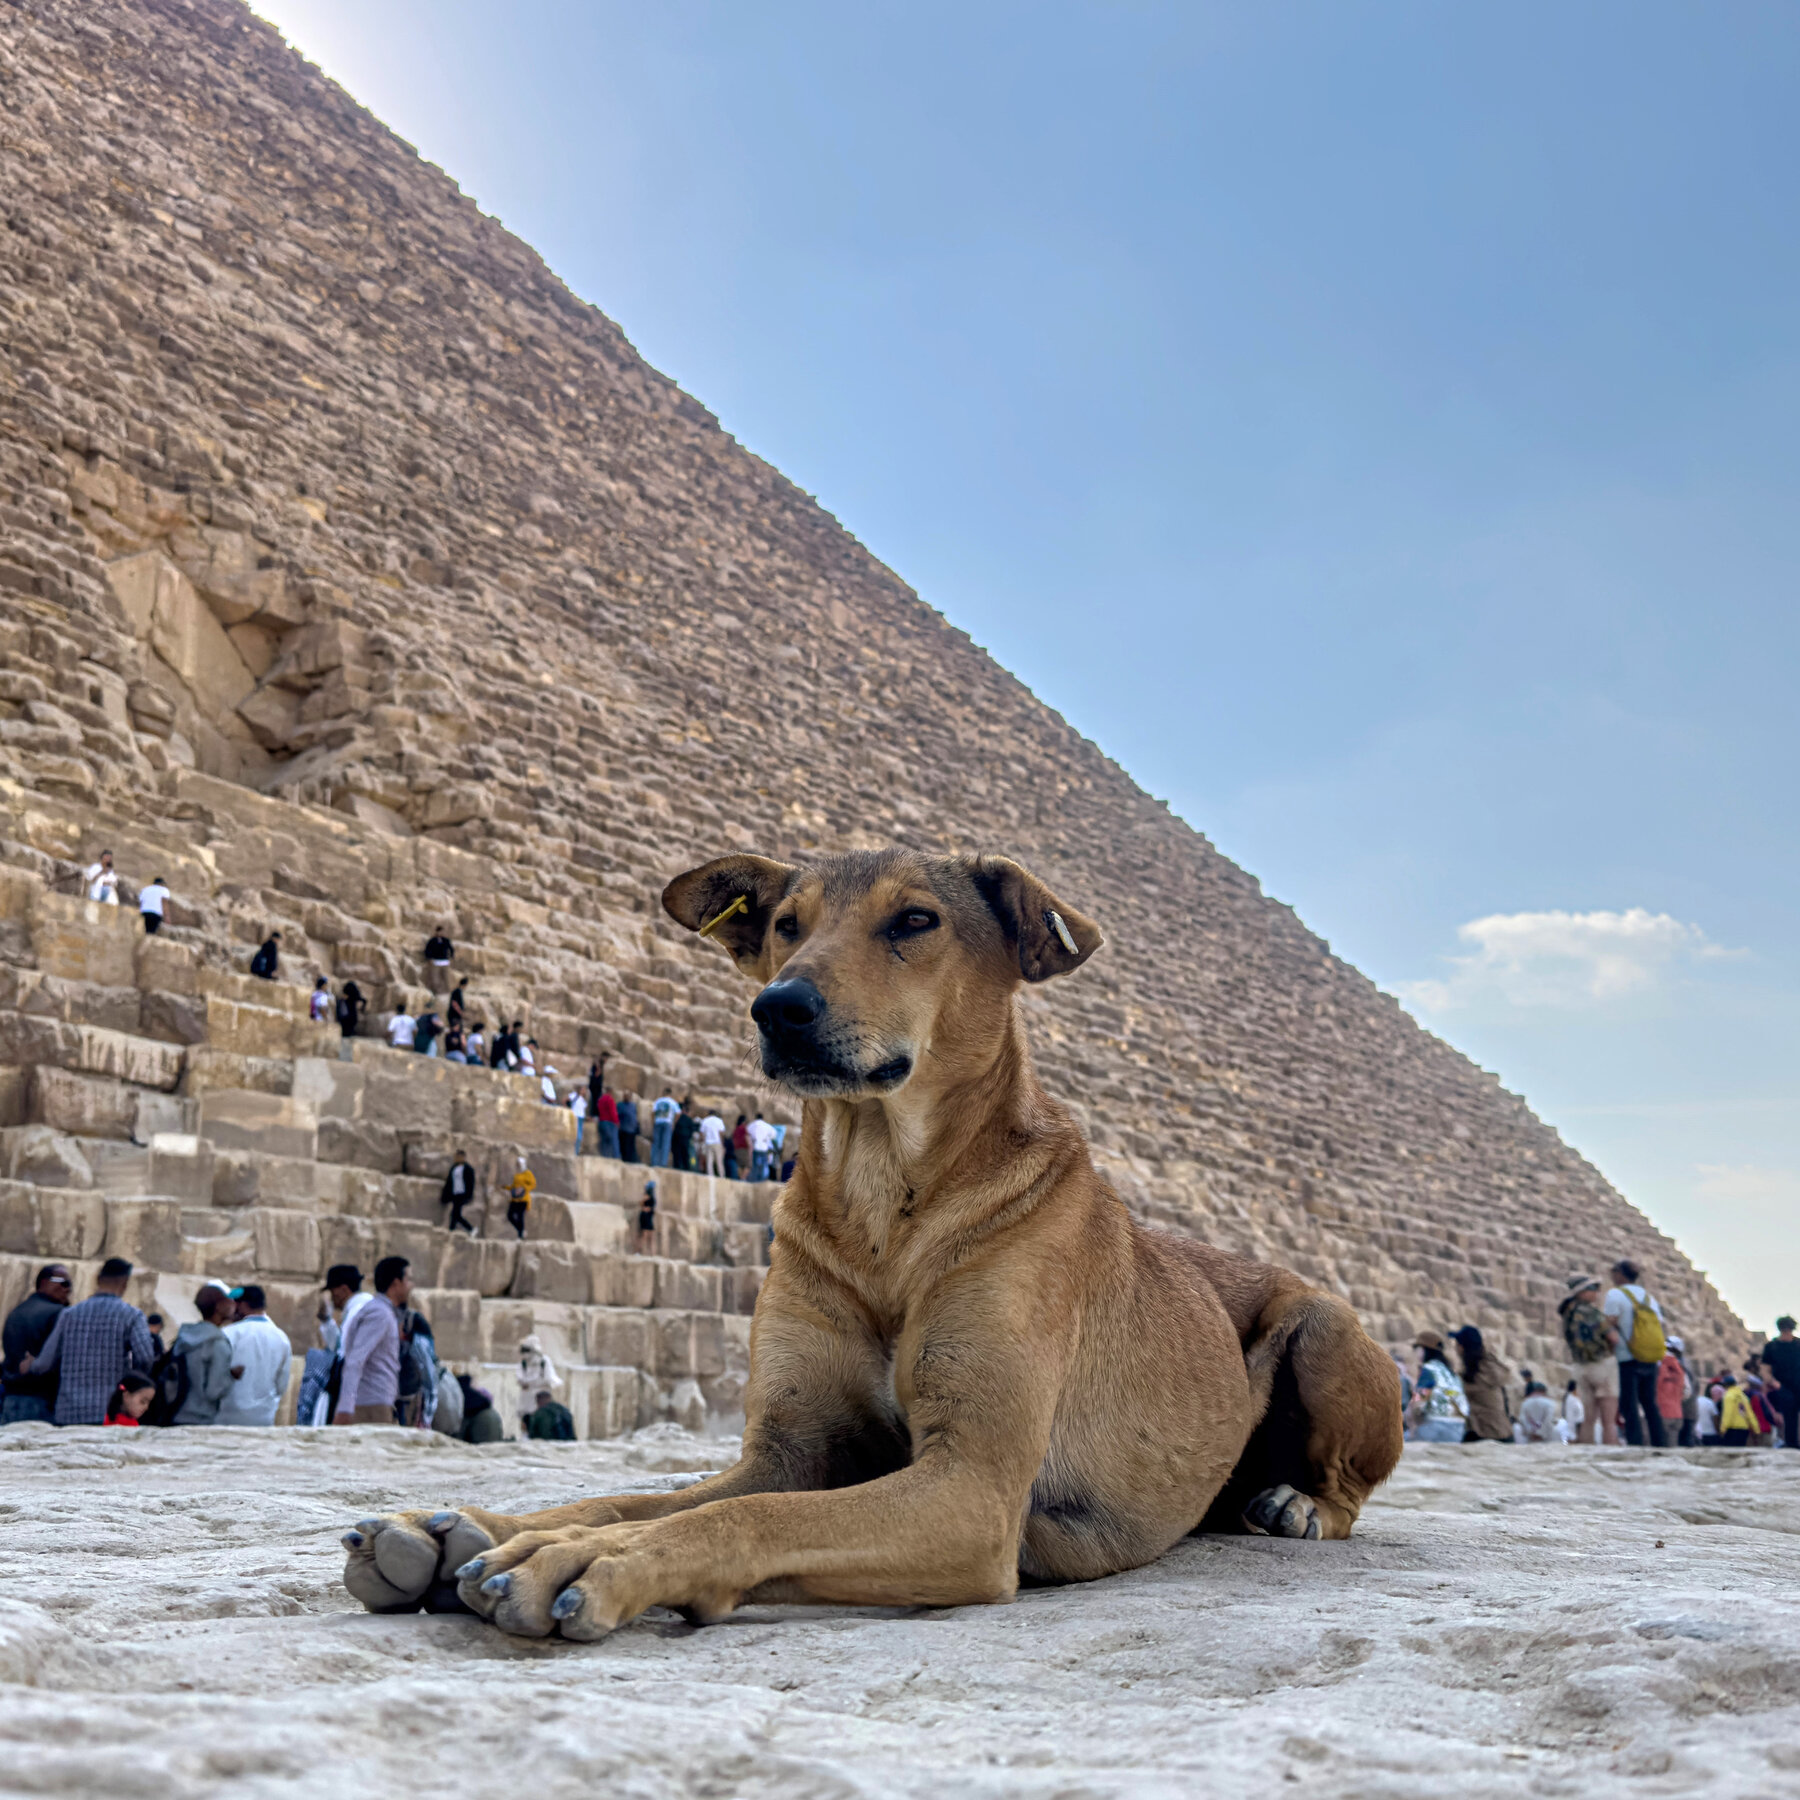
[
  {"x": 662, "y": 1128},
  {"x": 578, "y": 1105},
  {"x": 151, "y": 901},
  {"x": 102, "y": 880},
  {"x": 1538, "y": 1416},
  {"x": 712, "y": 1144},
  {"x": 1637, "y": 1380},
  {"x": 261, "y": 1359},
  {"x": 402, "y": 1029},
  {"x": 762, "y": 1141}
]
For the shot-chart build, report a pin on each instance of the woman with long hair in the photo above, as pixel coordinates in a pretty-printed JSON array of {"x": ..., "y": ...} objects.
[{"x": 1484, "y": 1385}]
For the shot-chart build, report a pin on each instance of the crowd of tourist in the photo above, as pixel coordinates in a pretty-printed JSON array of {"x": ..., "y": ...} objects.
[{"x": 1631, "y": 1383}]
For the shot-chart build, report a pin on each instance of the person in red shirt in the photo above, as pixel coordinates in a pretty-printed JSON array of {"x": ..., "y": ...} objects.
[{"x": 130, "y": 1401}]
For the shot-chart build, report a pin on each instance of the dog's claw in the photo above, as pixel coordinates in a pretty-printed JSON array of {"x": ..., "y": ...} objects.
[
  {"x": 471, "y": 1571},
  {"x": 568, "y": 1603},
  {"x": 353, "y": 1540},
  {"x": 499, "y": 1586},
  {"x": 369, "y": 1525},
  {"x": 440, "y": 1523}
]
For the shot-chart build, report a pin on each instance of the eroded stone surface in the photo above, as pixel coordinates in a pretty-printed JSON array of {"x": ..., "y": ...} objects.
[{"x": 1507, "y": 1621}]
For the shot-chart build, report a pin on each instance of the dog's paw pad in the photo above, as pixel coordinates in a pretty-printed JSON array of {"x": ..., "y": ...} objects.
[{"x": 1283, "y": 1512}]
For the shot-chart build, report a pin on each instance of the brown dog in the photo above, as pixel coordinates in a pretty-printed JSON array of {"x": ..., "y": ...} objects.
[{"x": 969, "y": 1364}]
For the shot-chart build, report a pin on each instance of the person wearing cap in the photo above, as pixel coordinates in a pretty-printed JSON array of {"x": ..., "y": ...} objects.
[
  {"x": 1439, "y": 1412},
  {"x": 206, "y": 1350},
  {"x": 1781, "y": 1357},
  {"x": 518, "y": 1196},
  {"x": 1592, "y": 1341},
  {"x": 1674, "y": 1386}
]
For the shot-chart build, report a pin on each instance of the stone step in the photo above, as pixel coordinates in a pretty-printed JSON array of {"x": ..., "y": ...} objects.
[{"x": 244, "y": 1119}]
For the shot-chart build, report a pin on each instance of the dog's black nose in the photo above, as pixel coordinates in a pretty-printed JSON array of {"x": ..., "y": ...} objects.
[{"x": 788, "y": 1007}]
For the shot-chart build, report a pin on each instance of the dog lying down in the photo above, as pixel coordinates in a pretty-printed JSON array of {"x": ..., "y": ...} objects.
[{"x": 969, "y": 1366}]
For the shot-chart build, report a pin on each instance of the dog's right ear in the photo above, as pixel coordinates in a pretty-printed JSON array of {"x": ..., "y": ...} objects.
[{"x": 731, "y": 899}]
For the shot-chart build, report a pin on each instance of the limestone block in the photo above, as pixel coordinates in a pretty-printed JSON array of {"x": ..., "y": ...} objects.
[
  {"x": 618, "y": 1280},
  {"x": 455, "y": 1317},
  {"x": 348, "y": 1241},
  {"x": 687, "y": 1239},
  {"x": 20, "y": 891},
  {"x": 252, "y": 990},
  {"x": 15, "y": 1095},
  {"x": 483, "y": 1264},
  {"x": 80, "y": 1104},
  {"x": 734, "y": 1329},
  {"x": 680, "y": 1284},
  {"x": 598, "y": 1229},
  {"x": 411, "y": 1197},
  {"x": 405, "y": 1089},
  {"x": 602, "y": 1180},
  {"x": 249, "y": 1178},
  {"x": 691, "y": 1343},
  {"x": 228, "y": 1259},
  {"x": 41, "y": 1154},
  {"x": 551, "y": 1271},
  {"x": 174, "y": 1018},
  {"x": 366, "y": 1146},
  {"x": 506, "y": 1323},
  {"x": 246, "y": 1030},
  {"x": 205, "y": 1068},
  {"x": 478, "y": 1112},
  {"x": 166, "y": 967},
  {"x": 288, "y": 1242},
  {"x": 332, "y": 1088},
  {"x": 739, "y": 1288},
  {"x": 620, "y": 1335},
  {"x": 724, "y": 1398},
  {"x": 146, "y": 1233},
  {"x": 547, "y": 1222},
  {"x": 276, "y": 1124},
  {"x": 294, "y": 1306},
  {"x": 84, "y": 940},
  {"x": 613, "y": 1397},
  {"x": 422, "y": 1245},
  {"x": 45, "y": 1222}
]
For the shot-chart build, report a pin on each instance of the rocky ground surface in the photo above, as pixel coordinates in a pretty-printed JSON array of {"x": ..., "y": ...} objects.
[{"x": 1507, "y": 1621}]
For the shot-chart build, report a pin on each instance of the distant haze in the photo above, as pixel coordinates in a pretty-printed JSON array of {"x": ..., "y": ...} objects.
[{"x": 1375, "y": 426}]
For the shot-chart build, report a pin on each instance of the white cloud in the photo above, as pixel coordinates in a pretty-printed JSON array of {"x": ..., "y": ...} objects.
[{"x": 1561, "y": 958}]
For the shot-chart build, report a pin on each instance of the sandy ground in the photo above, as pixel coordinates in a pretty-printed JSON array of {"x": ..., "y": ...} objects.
[{"x": 1507, "y": 1621}]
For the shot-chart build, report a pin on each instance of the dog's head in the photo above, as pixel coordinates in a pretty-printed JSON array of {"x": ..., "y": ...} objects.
[{"x": 874, "y": 962}]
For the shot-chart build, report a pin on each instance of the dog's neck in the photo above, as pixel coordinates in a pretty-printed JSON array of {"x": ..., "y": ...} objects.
[{"x": 961, "y": 1141}]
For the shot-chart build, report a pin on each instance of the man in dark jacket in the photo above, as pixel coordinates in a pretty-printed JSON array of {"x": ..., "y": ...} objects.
[
  {"x": 552, "y": 1420},
  {"x": 28, "y": 1328},
  {"x": 459, "y": 1190},
  {"x": 267, "y": 961}
]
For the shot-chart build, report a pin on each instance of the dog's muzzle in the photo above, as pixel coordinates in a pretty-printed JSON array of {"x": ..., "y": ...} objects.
[{"x": 806, "y": 1050}]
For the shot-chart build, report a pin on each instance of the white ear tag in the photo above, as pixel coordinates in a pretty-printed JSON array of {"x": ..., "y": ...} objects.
[{"x": 1062, "y": 931}]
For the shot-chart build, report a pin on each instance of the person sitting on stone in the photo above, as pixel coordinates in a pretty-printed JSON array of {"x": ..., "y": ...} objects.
[
  {"x": 1538, "y": 1415},
  {"x": 482, "y": 1423},
  {"x": 266, "y": 963},
  {"x": 536, "y": 1370},
  {"x": 102, "y": 880},
  {"x": 527, "y": 1052},
  {"x": 475, "y": 1044},
  {"x": 402, "y": 1030},
  {"x": 550, "y": 1420}
]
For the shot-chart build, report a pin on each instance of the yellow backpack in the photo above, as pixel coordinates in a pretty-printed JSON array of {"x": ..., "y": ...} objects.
[{"x": 1646, "y": 1341}]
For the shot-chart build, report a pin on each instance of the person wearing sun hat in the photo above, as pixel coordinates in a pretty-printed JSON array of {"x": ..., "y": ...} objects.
[{"x": 1592, "y": 1338}]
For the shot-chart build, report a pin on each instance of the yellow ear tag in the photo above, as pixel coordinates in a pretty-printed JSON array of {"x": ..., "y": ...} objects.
[
  {"x": 1062, "y": 931},
  {"x": 739, "y": 905}
]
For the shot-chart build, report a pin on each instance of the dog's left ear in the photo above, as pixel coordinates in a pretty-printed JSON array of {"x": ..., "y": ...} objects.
[
  {"x": 731, "y": 899},
  {"x": 1050, "y": 936}
]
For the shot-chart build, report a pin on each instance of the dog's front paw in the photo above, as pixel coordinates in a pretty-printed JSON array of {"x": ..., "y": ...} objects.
[
  {"x": 584, "y": 1580},
  {"x": 1283, "y": 1512},
  {"x": 405, "y": 1561}
]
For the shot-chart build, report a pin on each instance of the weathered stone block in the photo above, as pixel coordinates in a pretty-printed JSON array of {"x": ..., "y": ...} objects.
[
  {"x": 145, "y": 1232},
  {"x": 333, "y": 1089},
  {"x": 85, "y": 940},
  {"x": 619, "y": 1280},
  {"x": 276, "y": 1124},
  {"x": 422, "y": 1245},
  {"x": 483, "y": 1264},
  {"x": 173, "y": 1018},
  {"x": 288, "y": 1242},
  {"x": 41, "y": 1154},
  {"x": 551, "y": 1272},
  {"x": 366, "y": 1146},
  {"x": 680, "y": 1284},
  {"x": 455, "y": 1315},
  {"x": 348, "y": 1241},
  {"x": 165, "y": 967},
  {"x": 46, "y": 1222},
  {"x": 621, "y": 1336}
]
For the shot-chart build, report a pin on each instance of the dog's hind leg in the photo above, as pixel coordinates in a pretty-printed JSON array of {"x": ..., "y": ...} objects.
[{"x": 1330, "y": 1433}]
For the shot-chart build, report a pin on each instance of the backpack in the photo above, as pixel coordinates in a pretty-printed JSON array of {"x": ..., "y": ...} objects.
[
  {"x": 449, "y": 1415},
  {"x": 346, "y": 1012},
  {"x": 171, "y": 1377},
  {"x": 1646, "y": 1340},
  {"x": 1584, "y": 1331}
]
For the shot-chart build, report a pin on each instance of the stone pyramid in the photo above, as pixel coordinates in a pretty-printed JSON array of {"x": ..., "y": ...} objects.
[{"x": 360, "y": 579}]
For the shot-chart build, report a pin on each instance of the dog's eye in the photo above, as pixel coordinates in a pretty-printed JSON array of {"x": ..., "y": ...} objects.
[
  {"x": 788, "y": 927},
  {"x": 912, "y": 922}
]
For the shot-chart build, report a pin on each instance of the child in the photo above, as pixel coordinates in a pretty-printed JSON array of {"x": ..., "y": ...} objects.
[
  {"x": 130, "y": 1401},
  {"x": 647, "y": 1220}
]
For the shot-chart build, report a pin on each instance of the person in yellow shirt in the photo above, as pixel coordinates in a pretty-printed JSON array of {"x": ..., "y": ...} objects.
[
  {"x": 1737, "y": 1418},
  {"x": 519, "y": 1191}
]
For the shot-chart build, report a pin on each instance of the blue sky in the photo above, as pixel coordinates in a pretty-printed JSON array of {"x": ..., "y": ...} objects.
[{"x": 1374, "y": 425}]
